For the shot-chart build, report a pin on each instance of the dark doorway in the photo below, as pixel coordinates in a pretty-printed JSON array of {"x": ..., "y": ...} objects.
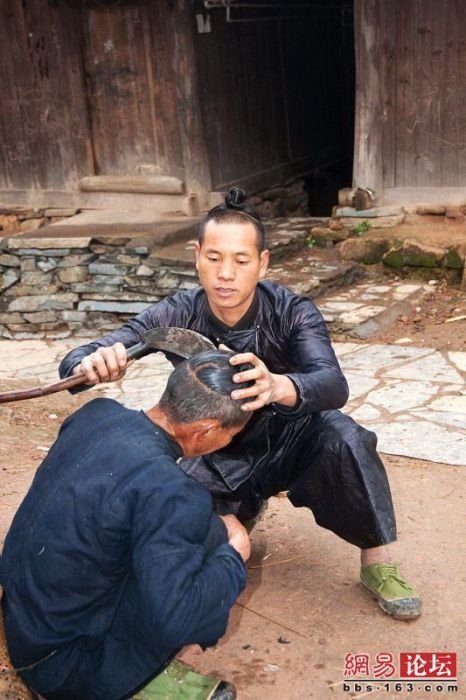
[{"x": 277, "y": 94}]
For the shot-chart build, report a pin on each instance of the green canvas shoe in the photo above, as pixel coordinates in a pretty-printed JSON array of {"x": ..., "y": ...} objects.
[
  {"x": 178, "y": 681},
  {"x": 396, "y": 597}
]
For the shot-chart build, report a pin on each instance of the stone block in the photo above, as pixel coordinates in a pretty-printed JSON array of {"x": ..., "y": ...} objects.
[
  {"x": 73, "y": 260},
  {"x": 112, "y": 241},
  {"x": 322, "y": 235},
  {"x": 368, "y": 250},
  {"x": 40, "y": 317},
  {"x": 9, "y": 223},
  {"x": 37, "y": 252},
  {"x": 7, "y": 260},
  {"x": 127, "y": 259},
  {"x": 453, "y": 259},
  {"x": 36, "y": 278},
  {"x": 28, "y": 264},
  {"x": 22, "y": 290},
  {"x": 107, "y": 280},
  {"x": 11, "y": 318},
  {"x": 8, "y": 278},
  {"x": 73, "y": 316},
  {"x": 49, "y": 243},
  {"x": 113, "y": 306},
  {"x": 47, "y": 265},
  {"x": 136, "y": 282},
  {"x": 136, "y": 248},
  {"x": 88, "y": 288},
  {"x": 69, "y": 275},
  {"x": 44, "y": 302},
  {"x": 31, "y": 225},
  {"x": 98, "y": 268},
  {"x": 62, "y": 212},
  {"x": 18, "y": 327},
  {"x": 140, "y": 295},
  {"x": 414, "y": 254},
  {"x": 379, "y": 222},
  {"x": 144, "y": 271},
  {"x": 26, "y": 335},
  {"x": 374, "y": 212}
]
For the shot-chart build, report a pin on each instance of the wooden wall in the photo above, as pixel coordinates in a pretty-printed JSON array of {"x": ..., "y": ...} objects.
[
  {"x": 44, "y": 131},
  {"x": 411, "y": 93},
  {"x": 90, "y": 88},
  {"x": 86, "y": 89}
]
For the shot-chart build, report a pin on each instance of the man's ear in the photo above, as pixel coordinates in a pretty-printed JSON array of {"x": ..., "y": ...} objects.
[
  {"x": 208, "y": 426},
  {"x": 264, "y": 262},
  {"x": 197, "y": 250}
]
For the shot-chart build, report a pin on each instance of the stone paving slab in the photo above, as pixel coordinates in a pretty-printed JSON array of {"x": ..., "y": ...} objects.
[
  {"x": 366, "y": 308},
  {"x": 413, "y": 398}
]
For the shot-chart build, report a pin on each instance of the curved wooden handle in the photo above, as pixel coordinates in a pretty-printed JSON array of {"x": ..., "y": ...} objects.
[{"x": 35, "y": 392}]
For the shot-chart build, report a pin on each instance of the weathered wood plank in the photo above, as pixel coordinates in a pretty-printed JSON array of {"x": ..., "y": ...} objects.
[
  {"x": 187, "y": 95},
  {"x": 367, "y": 171},
  {"x": 388, "y": 10},
  {"x": 43, "y": 120},
  {"x": 120, "y": 112},
  {"x": 151, "y": 184}
]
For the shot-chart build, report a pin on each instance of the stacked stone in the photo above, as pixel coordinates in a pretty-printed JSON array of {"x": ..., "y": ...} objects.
[
  {"x": 287, "y": 200},
  {"x": 25, "y": 219},
  {"x": 56, "y": 287}
]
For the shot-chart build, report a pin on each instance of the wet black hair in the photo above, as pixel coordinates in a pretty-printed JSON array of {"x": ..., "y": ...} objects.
[
  {"x": 235, "y": 210},
  {"x": 200, "y": 388}
]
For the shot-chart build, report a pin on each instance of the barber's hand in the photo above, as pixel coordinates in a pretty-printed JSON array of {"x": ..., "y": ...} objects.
[
  {"x": 267, "y": 387},
  {"x": 238, "y": 536},
  {"x": 104, "y": 365}
]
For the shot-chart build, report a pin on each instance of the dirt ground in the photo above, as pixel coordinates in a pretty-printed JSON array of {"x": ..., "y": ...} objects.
[
  {"x": 303, "y": 609},
  {"x": 438, "y": 321}
]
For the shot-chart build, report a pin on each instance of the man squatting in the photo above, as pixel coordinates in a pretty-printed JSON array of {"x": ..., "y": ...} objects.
[
  {"x": 296, "y": 440},
  {"x": 116, "y": 559}
]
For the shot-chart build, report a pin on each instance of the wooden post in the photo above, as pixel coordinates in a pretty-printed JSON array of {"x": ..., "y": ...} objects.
[
  {"x": 367, "y": 169},
  {"x": 188, "y": 101}
]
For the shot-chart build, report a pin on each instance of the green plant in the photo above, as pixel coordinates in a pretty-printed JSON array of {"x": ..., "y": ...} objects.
[
  {"x": 362, "y": 227},
  {"x": 310, "y": 242}
]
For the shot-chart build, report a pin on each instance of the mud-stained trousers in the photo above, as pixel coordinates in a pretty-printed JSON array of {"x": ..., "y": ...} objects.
[{"x": 325, "y": 462}]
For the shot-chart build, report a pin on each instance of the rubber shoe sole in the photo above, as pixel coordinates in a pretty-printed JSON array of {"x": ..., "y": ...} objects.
[{"x": 400, "y": 609}]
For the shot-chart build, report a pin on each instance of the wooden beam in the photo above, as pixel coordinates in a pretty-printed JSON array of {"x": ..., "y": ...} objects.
[
  {"x": 188, "y": 101},
  {"x": 367, "y": 169},
  {"x": 150, "y": 184}
]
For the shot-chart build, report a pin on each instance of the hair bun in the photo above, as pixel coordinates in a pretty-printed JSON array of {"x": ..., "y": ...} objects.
[{"x": 235, "y": 198}]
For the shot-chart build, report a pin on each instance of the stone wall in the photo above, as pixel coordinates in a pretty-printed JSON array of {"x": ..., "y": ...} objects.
[
  {"x": 289, "y": 199},
  {"x": 54, "y": 287}
]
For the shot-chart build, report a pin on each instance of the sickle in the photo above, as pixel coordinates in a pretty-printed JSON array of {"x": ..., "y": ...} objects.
[{"x": 177, "y": 341}]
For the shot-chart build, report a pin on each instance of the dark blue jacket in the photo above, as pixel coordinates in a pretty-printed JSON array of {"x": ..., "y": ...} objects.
[{"x": 110, "y": 513}]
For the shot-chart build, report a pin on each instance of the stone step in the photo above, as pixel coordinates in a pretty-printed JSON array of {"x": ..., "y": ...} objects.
[
  {"x": 313, "y": 271},
  {"x": 118, "y": 226}
]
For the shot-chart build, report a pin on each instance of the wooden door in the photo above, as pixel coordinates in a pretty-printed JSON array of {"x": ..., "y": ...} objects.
[{"x": 128, "y": 63}]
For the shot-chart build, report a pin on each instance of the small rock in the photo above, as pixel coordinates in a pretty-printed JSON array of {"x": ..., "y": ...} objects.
[
  {"x": 282, "y": 640},
  {"x": 433, "y": 283},
  {"x": 271, "y": 668}
]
